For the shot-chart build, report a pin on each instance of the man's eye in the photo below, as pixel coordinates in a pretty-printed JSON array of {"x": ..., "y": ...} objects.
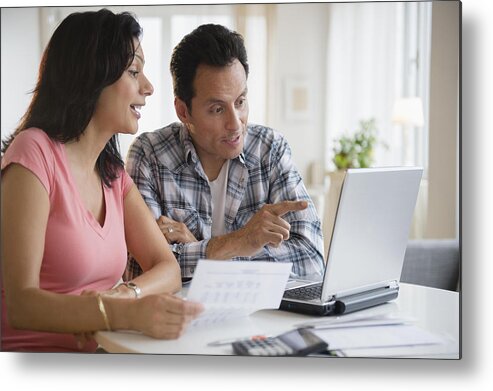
[{"x": 241, "y": 102}]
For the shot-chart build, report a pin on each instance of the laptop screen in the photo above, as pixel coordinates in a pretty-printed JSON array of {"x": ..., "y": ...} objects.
[{"x": 371, "y": 229}]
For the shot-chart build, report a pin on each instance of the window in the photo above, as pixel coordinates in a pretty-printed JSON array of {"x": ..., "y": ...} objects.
[
  {"x": 155, "y": 112},
  {"x": 415, "y": 72},
  {"x": 256, "y": 45},
  {"x": 378, "y": 53},
  {"x": 181, "y": 25}
]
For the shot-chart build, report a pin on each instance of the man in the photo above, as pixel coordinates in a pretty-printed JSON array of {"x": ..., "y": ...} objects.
[{"x": 221, "y": 188}]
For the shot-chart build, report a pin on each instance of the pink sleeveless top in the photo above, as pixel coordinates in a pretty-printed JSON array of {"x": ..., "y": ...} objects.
[{"x": 79, "y": 253}]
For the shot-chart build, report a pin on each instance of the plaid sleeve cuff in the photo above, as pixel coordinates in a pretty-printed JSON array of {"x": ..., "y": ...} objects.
[{"x": 188, "y": 255}]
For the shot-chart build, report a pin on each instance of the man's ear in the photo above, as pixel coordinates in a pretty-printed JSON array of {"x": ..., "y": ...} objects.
[{"x": 181, "y": 110}]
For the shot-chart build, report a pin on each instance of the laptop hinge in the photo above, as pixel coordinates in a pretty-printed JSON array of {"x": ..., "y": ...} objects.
[
  {"x": 366, "y": 288},
  {"x": 366, "y": 299}
]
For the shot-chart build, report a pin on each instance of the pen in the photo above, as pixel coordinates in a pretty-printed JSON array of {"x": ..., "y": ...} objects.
[
  {"x": 221, "y": 342},
  {"x": 357, "y": 324},
  {"x": 368, "y": 320}
]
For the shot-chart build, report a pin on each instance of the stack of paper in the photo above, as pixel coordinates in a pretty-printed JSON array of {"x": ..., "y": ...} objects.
[{"x": 376, "y": 336}]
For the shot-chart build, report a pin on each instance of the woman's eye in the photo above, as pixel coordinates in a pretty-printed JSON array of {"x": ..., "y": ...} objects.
[{"x": 133, "y": 73}]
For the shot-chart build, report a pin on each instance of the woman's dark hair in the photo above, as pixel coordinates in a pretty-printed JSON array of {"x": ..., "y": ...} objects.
[
  {"x": 209, "y": 44},
  {"x": 87, "y": 52}
]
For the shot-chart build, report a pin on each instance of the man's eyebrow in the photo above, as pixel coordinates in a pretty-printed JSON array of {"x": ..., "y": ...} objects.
[{"x": 213, "y": 100}]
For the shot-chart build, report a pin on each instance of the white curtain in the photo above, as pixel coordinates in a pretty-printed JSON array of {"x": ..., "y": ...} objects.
[
  {"x": 364, "y": 71},
  {"x": 372, "y": 59}
]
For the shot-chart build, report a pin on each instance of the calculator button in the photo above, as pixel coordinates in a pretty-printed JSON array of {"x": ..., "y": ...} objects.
[
  {"x": 262, "y": 352},
  {"x": 284, "y": 348}
]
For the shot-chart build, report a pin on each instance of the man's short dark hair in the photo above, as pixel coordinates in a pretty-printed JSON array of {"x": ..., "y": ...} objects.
[{"x": 209, "y": 44}]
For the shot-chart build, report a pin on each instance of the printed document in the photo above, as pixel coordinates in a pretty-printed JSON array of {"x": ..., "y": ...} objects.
[
  {"x": 230, "y": 289},
  {"x": 377, "y": 337}
]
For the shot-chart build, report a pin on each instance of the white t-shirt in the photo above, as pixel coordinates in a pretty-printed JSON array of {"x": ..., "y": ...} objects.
[{"x": 218, "y": 188}]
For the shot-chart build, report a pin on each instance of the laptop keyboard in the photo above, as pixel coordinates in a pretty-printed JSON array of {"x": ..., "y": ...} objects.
[{"x": 304, "y": 292}]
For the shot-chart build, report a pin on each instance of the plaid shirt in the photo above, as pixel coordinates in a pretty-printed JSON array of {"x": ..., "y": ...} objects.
[{"x": 166, "y": 169}]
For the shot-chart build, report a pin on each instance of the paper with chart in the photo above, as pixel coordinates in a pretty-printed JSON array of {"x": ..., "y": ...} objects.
[
  {"x": 229, "y": 289},
  {"x": 378, "y": 336}
]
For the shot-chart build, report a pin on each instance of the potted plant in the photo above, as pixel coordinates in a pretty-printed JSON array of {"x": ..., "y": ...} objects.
[
  {"x": 350, "y": 151},
  {"x": 356, "y": 151}
]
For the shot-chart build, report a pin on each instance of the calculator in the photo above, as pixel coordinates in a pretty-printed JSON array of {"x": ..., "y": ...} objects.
[{"x": 299, "y": 342}]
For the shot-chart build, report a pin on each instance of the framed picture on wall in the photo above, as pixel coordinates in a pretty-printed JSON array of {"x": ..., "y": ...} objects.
[{"x": 297, "y": 99}]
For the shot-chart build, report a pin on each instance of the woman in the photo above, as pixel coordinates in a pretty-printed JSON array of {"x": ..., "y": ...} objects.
[{"x": 70, "y": 212}]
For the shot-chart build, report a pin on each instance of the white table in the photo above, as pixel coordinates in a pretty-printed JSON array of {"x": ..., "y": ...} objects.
[{"x": 433, "y": 309}]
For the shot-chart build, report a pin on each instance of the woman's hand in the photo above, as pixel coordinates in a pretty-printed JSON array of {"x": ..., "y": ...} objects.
[
  {"x": 163, "y": 316},
  {"x": 119, "y": 292},
  {"x": 84, "y": 338}
]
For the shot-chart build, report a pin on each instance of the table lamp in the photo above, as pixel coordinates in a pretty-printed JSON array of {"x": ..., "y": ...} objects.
[{"x": 407, "y": 112}]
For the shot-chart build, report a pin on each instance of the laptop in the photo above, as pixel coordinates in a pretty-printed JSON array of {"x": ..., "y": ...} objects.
[{"x": 367, "y": 247}]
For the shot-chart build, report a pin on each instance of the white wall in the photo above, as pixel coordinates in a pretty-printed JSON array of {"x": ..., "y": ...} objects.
[
  {"x": 298, "y": 53},
  {"x": 443, "y": 143},
  {"x": 19, "y": 63}
]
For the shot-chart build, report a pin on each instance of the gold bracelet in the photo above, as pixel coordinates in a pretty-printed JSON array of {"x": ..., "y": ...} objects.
[{"x": 102, "y": 309}]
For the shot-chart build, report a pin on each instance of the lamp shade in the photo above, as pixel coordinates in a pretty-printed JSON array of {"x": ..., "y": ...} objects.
[{"x": 408, "y": 111}]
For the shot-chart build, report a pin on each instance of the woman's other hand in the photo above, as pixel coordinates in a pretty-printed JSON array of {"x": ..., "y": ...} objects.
[{"x": 164, "y": 316}]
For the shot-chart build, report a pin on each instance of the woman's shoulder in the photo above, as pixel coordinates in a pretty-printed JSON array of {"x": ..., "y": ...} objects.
[
  {"x": 31, "y": 144},
  {"x": 33, "y": 149},
  {"x": 31, "y": 137}
]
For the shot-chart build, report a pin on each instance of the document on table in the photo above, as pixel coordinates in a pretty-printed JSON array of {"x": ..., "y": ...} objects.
[
  {"x": 377, "y": 336},
  {"x": 230, "y": 289}
]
